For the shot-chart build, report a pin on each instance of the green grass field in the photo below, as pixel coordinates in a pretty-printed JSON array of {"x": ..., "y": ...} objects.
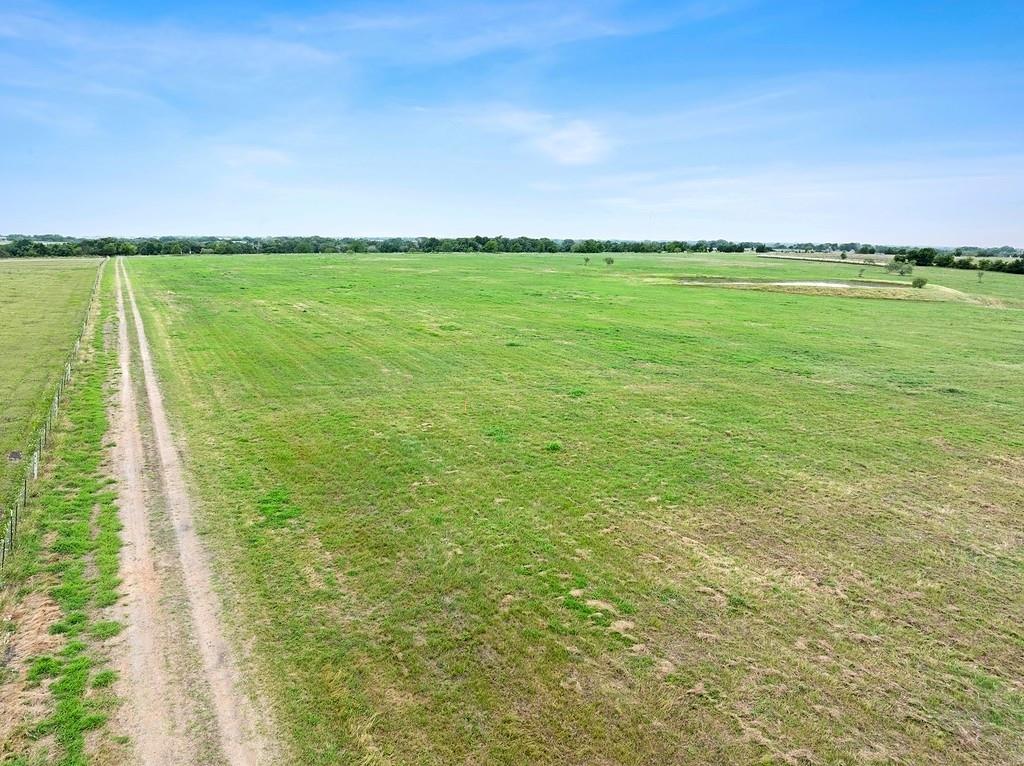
[
  {"x": 515, "y": 509},
  {"x": 42, "y": 303}
]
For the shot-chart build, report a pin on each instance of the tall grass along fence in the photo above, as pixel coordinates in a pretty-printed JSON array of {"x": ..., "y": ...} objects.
[{"x": 17, "y": 509}]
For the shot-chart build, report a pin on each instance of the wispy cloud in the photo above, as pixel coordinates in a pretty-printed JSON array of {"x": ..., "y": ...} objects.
[
  {"x": 577, "y": 142},
  {"x": 76, "y": 62},
  {"x": 888, "y": 202},
  {"x": 566, "y": 141},
  {"x": 170, "y": 44},
  {"x": 53, "y": 52},
  {"x": 60, "y": 54},
  {"x": 453, "y": 30},
  {"x": 616, "y": 117}
]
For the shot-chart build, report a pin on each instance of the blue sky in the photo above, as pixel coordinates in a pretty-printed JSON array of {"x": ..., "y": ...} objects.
[{"x": 887, "y": 122}]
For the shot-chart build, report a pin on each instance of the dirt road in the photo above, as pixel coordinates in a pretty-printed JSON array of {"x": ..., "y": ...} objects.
[{"x": 186, "y": 701}]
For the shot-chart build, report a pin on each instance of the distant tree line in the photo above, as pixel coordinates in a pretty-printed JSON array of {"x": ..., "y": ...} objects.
[
  {"x": 997, "y": 260},
  {"x": 53, "y": 245}
]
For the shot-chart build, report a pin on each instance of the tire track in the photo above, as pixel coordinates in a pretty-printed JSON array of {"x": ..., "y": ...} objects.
[
  {"x": 165, "y": 707},
  {"x": 157, "y": 731}
]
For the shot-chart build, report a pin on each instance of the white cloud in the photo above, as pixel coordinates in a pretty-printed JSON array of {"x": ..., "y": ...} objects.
[
  {"x": 576, "y": 143},
  {"x": 566, "y": 141}
]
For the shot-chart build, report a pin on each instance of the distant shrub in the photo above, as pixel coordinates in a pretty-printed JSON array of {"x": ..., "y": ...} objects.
[
  {"x": 899, "y": 267},
  {"x": 843, "y": 256},
  {"x": 919, "y": 282},
  {"x": 609, "y": 260},
  {"x": 586, "y": 260}
]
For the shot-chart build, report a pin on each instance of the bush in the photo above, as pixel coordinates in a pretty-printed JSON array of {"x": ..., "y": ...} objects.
[
  {"x": 919, "y": 282},
  {"x": 609, "y": 260},
  {"x": 586, "y": 260}
]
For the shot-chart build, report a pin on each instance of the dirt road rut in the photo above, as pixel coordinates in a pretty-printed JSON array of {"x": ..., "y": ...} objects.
[{"x": 186, "y": 701}]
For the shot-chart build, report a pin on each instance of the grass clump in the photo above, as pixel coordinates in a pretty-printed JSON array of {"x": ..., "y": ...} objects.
[
  {"x": 104, "y": 678},
  {"x": 277, "y": 509}
]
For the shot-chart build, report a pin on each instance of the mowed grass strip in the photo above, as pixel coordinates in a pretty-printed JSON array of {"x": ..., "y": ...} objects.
[
  {"x": 510, "y": 509},
  {"x": 42, "y": 303},
  {"x": 60, "y": 582}
]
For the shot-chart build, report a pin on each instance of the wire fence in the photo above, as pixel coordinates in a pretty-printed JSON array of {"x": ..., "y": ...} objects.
[{"x": 17, "y": 509}]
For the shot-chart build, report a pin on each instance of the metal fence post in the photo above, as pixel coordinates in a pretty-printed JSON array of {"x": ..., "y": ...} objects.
[{"x": 32, "y": 469}]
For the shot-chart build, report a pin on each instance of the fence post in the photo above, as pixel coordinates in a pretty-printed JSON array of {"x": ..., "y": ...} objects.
[{"x": 32, "y": 469}]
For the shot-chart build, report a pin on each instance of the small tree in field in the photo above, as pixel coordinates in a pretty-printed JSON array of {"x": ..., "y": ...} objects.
[
  {"x": 903, "y": 268},
  {"x": 919, "y": 282},
  {"x": 609, "y": 260},
  {"x": 586, "y": 260},
  {"x": 842, "y": 256}
]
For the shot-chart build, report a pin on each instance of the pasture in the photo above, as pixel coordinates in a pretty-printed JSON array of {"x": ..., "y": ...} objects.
[
  {"x": 42, "y": 304},
  {"x": 515, "y": 508}
]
